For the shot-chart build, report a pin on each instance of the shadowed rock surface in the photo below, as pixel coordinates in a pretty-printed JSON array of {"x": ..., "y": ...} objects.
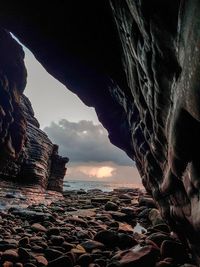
[
  {"x": 38, "y": 162},
  {"x": 137, "y": 63},
  {"x": 57, "y": 170},
  {"x": 41, "y": 164}
]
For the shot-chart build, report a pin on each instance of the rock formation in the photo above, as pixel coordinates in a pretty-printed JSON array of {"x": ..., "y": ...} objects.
[
  {"x": 137, "y": 63},
  {"x": 41, "y": 163},
  {"x": 57, "y": 170},
  {"x": 27, "y": 155}
]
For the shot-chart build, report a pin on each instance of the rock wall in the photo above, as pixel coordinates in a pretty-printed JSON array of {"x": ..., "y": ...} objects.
[
  {"x": 27, "y": 156},
  {"x": 41, "y": 163},
  {"x": 12, "y": 83},
  {"x": 57, "y": 170},
  {"x": 35, "y": 168},
  {"x": 137, "y": 63},
  {"x": 38, "y": 163}
]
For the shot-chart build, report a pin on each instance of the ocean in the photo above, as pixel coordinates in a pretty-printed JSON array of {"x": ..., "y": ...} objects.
[{"x": 103, "y": 185}]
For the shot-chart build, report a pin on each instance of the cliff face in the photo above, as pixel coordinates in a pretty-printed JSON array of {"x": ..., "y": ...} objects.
[
  {"x": 38, "y": 163},
  {"x": 139, "y": 68},
  {"x": 12, "y": 82},
  {"x": 57, "y": 170},
  {"x": 39, "y": 155},
  {"x": 27, "y": 154}
]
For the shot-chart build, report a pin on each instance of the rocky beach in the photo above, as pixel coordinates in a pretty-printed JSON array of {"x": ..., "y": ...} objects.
[
  {"x": 137, "y": 63},
  {"x": 91, "y": 228}
]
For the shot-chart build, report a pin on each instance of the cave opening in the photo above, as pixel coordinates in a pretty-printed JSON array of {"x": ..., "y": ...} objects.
[
  {"x": 145, "y": 57},
  {"x": 81, "y": 137},
  {"x": 76, "y": 129}
]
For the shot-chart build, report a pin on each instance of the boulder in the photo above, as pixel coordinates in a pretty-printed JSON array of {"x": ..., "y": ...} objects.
[
  {"x": 111, "y": 206},
  {"x": 140, "y": 257},
  {"x": 62, "y": 261},
  {"x": 147, "y": 202},
  {"x": 108, "y": 238},
  {"x": 155, "y": 217},
  {"x": 174, "y": 250},
  {"x": 92, "y": 244}
]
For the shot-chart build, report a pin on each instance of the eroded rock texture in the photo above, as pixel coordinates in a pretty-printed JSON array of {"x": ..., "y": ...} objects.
[
  {"x": 27, "y": 155},
  {"x": 38, "y": 163},
  {"x": 12, "y": 83},
  {"x": 41, "y": 163},
  {"x": 57, "y": 170},
  {"x": 137, "y": 63}
]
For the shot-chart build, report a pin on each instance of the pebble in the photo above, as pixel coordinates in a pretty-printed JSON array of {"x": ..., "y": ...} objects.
[
  {"x": 119, "y": 216},
  {"x": 78, "y": 250},
  {"x": 155, "y": 217},
  {"x": 111, "y": 206},
  {"x": 63, "y": 261},
  {"x": 85, "y": 259},
  {"x": 164, "y": 263},
  {"x": 102, "y": 200},
  {"x": 8, "y": 264},
  {"x": 37, "y": 227},
  {"x": 41, "y": 261},
  {"x": 23, "y": 254},
  {"x": 174, "y": 250},
  {"x": 147, "y": 202},
  {"x": 161, "y": 228},
  {"x": 9, "y": 255},
  {"x": 126, "y": 241},
  {"x": 138, "y": 258},
  {"x": 92, "y": 244},
  {"x": 57, "y": 240},
  {"x": 90, "y": 229},
  {"x": 158, "y": 238},
  {"x": 107, "y": 237},
  {"x": 24, "y": 241},
  {"x": 67, "y": 246},
  {"x": 53, "y": 231},
  {"x": 52, "y": 254}
]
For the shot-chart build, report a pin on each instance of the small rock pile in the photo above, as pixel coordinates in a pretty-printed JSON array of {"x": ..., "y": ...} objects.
[{"x": 90, "y": 229}]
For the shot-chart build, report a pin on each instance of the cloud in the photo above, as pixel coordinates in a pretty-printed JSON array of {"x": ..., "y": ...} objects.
[
  {"x": 97, "y": 171},
  {"x": 104, "y": 171},
  {"x": 92, "y": 156},
  {"x": 85, "y": 141},
  {"x": 91, "y": 171}
]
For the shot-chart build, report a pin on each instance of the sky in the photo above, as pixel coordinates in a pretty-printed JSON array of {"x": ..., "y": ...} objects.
[{"x": 76, "y": 129}]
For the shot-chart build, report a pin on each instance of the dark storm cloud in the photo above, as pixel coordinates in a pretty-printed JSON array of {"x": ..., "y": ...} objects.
[{"x": 84, "y": 142}]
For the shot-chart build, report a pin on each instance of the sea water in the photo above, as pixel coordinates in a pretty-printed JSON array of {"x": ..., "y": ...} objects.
[{"x": 103, "y": 185}]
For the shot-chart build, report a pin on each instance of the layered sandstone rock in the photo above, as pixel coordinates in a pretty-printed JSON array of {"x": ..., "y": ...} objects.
[
  {"x": 27, "y": 155},
  {"x": 12, "y": 83},
  {"x": 39, "y": 163},
  {"x": 137, "y": 63},
  {"x": 35, "y": 168},
  {"x": 57, "y": 170}
]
